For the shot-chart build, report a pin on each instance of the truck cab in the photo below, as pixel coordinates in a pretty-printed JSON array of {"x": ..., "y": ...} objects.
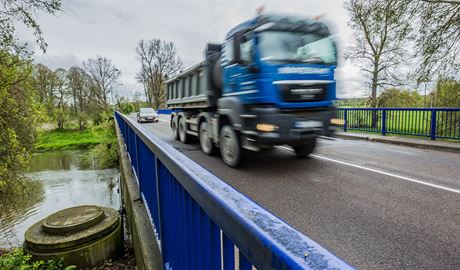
[{"x": 271, "y": 82}]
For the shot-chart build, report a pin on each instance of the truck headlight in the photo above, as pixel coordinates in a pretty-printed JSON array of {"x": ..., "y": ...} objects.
[{"x": 266, "y": 127}]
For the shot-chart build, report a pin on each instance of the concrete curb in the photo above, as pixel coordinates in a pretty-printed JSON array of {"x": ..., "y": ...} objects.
[
  {"x": 146, "y": 249},
  {"x": 418, "y": 143}
]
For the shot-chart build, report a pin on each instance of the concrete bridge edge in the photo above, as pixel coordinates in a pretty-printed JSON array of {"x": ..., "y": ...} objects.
[{"x": 145, "y": 245}]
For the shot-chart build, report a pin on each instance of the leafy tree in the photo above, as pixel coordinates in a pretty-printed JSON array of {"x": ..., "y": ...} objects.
[
  {"x": 380, "y": 30},
  {"x": 25, "y": 12},
  {"x": 17, "y": 119},
  {"x": 79, "y": 86},
  {"x": 60, "y": 93},
  {"x": 437, "y": 43},
  {"x": 44, "y": 81},
  {"x": 18, "y": 110},
  {"x": 159, "y": 61},
  {"x": 125, "y": 106},
  {"x": 398, "y": 98},
  {"x": 447, "y": 93},
  {"x": 103, "y": 76}
]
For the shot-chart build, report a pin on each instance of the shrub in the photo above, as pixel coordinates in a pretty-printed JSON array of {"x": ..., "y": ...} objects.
[
  {"x": 104, "y": 155},
  {"x": 17, "y": 259}
]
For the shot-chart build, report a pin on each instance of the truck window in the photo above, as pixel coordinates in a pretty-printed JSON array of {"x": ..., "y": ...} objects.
[
  {"x": 227, "y": 52},
  {"x": 246, "y": 48}
]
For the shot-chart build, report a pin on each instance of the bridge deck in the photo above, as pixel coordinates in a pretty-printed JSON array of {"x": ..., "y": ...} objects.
[{"x": 374, "y": 205}]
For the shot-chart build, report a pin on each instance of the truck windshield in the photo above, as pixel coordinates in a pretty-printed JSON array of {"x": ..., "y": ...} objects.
[{"x": 295, "y": 47}]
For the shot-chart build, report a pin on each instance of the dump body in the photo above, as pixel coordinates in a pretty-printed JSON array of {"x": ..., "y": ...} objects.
[{"x": 195, "y": 87}]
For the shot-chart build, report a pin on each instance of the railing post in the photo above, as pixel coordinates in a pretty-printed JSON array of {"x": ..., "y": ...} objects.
[
  {"x": 384, "y": 122},
  {"x": 345, "y": 113},
  {"x": 137, "y": 168},
  {"x": 433, "y": 124},
  {"x": 158, "y": 186}
]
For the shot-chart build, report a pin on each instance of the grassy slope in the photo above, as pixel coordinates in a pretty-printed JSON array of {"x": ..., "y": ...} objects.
[{"x": 71, "y": 139}]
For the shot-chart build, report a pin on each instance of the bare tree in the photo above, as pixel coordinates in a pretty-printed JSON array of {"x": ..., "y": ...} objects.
[
  {"x": 143, "y": 78},
  {"x": 380, "y": 30},
  {"x": 103, "y": 75},
  {"x": 159, "y": 61}
]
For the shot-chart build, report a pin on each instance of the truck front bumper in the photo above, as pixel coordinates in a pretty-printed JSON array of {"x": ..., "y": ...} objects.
[{"x": 286, "y": 127}]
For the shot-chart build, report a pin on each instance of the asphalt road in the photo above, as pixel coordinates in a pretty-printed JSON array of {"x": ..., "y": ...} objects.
[{"x": 377, "y": 206}]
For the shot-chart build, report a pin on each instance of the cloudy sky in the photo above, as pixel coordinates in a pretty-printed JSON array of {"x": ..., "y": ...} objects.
[{"x": 112, "y": 28}]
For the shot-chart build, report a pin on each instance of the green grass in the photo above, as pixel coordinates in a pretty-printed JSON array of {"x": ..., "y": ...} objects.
[{"x": 72, "y": 139}]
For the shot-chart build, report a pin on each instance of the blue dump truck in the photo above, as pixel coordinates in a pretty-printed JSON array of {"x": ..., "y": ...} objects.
[{"x": 271, "y": 82}]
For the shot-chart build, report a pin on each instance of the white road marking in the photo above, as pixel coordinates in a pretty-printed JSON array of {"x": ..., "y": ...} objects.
[{"x": 405, "y": 178}]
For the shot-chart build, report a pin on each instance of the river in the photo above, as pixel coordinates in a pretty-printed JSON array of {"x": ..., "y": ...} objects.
[{"x": 58, "y": 180}]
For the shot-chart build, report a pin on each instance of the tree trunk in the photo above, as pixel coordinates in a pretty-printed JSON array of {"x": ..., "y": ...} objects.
[{"x": 374, "y": 85}]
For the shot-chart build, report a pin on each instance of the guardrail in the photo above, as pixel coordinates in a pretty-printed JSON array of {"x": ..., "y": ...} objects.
[
  {"x": 200, "y": 220},
  {"x": 425, "y": 122}
]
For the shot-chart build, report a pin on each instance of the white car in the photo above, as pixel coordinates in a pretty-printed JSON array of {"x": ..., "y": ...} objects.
[{"x": 147, "y": 115}]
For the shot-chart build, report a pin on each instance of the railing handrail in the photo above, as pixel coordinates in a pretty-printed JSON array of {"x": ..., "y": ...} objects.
[
  {"x": 267, "y": 241},
  {"x": 434, "y": 123},
  {"x": 401, "y": 109}
]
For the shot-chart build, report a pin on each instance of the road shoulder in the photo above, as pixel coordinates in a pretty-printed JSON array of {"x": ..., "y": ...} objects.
[{"x": 399, "y": 140}]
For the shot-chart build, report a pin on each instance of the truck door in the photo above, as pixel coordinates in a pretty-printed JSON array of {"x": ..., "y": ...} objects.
[
  {"x": 246, "y": 81},
  {"x": 230, "y": 68},
  {"x": 239, "y": 76}
]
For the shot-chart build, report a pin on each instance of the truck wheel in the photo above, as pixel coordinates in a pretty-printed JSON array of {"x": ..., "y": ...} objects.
[
  {"x": 305, "y": 149},
  {"x": 183, "y": 136},
  {"x": 205, "y": 140},
  {"x": 174, "y": 128},
  {"x": 230, "y": 147}
]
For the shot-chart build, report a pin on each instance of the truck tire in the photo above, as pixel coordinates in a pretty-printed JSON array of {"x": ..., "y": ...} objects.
[
  {"x": 183, "y": 136},
  {"x": 174, "y": 128},
  {"x": 206, "y": 143},
  {"x": 305, "y": 149},
  {"x": 230, "y": 147}
]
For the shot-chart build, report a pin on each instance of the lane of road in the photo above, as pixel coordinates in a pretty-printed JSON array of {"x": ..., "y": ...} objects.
[{"x": 355, "y": 198}]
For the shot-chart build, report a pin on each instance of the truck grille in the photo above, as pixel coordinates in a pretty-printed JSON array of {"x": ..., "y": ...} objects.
[{"x": 299, "y": 92}]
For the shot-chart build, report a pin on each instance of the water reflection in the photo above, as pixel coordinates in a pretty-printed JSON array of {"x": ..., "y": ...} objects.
[{"x": 60, "y": 179}]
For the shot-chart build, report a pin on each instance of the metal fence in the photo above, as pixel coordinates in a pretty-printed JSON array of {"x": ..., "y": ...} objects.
[
  {"x": 203, "y": 223},
  {"x": 164, "y": 111},
  {"x": 425, "y": 122}
]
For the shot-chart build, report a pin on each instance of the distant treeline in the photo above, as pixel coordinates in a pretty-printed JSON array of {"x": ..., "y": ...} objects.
[{"x": 446, "y": 94}]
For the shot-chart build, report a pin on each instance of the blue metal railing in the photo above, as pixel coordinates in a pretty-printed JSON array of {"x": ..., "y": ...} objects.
[
  {"x": 424, "y": 122},
  {"x": 164, "y": 111},
  {"x": 200, "y": 220}
]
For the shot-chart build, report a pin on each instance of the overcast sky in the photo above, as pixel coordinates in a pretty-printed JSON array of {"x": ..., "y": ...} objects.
[{"x": 112, "y": 28}]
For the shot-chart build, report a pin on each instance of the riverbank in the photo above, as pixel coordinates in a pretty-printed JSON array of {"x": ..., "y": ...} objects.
[
  {"x": 56, "y": 180},
  {"x": 65, "y": 139}
]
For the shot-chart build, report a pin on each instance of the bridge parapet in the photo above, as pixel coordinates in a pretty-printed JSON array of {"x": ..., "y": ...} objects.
[
  {"x": 434, "y": 123},
  {"x": 201, "y": 222}
]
